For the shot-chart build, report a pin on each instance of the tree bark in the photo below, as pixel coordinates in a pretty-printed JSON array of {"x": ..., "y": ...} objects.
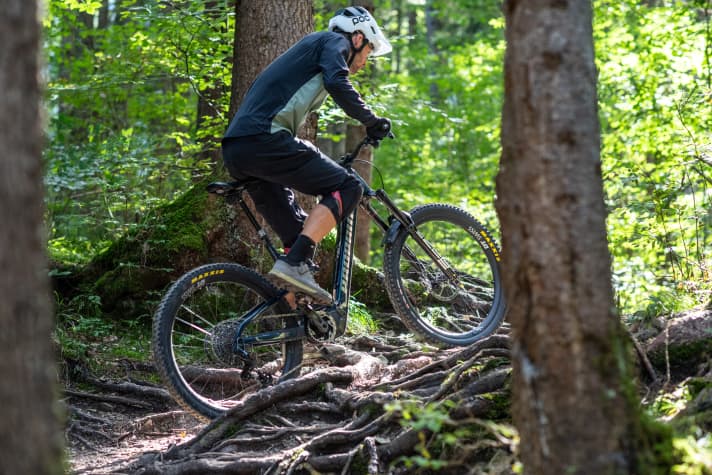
[
  {"x": 263, "y": 31},
  {"x": 354, "y": 134},
  {"x": 30, "y": 441},
  {"x": 573, "y": 404}
]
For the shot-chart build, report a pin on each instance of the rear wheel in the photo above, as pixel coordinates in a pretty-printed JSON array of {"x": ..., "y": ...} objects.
[
  {"x": 194, "y": 343},
  {"x": 457, "y": 301}
]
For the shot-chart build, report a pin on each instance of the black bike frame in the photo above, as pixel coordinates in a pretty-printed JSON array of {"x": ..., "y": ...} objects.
[{"x": 344, "y": 254}]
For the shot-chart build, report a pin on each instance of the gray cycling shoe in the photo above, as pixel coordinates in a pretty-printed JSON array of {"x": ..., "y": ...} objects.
[{"x": 299, "y": 278}]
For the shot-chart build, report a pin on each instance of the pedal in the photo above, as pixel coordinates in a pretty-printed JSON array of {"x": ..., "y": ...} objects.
[{"x": 303, "y": 300}]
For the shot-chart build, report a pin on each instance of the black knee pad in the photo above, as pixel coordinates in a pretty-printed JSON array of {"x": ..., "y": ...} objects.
[{"x": 344, "y": 200}]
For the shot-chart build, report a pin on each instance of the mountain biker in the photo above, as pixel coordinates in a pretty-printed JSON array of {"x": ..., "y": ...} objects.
[{"x": 261, "y": 141}]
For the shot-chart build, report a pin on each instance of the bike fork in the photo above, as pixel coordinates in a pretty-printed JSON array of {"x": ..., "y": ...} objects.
[{"x": 407, "y": 221}]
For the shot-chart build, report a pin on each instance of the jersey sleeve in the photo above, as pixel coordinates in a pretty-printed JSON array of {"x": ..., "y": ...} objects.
[{"x": 335, "y": 73}]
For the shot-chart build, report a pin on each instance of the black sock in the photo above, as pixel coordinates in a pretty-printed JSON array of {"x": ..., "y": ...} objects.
[{"x": 302, "y": 249}]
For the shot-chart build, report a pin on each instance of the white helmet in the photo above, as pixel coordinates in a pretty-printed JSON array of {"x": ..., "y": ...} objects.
[{"x": 353, "y": 19}]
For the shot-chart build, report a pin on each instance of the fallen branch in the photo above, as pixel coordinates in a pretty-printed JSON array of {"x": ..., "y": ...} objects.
[
  {"x": 109, "y": 398},
  {"x": 132, "y": 388}
]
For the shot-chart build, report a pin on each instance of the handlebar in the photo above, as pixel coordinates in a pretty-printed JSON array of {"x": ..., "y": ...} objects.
[{"x": 349, "y": 158}]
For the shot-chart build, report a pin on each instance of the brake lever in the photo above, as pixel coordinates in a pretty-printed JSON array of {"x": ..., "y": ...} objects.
[{"x": 375, "y": 143}]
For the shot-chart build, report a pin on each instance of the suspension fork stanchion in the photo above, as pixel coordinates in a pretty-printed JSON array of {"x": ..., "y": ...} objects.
[
  {"x": 373, "y": 214},
  {"x": 406, "y": 220}
]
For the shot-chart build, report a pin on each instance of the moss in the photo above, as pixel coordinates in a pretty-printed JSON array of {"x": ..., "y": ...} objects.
[
  {"x": 126, "y": 290},
  {"x": 683, "y": 355},
  {"x": 367, "y": 283},
  {"x": 183, "y": 223},
  {"x": 500, "y": 404},
  {"x": 696, "y": 414},
  {"x": 146, "y": 259},
  {"x": 650, "y": 443},
  {"x": 494, "y": 363},
  {"x": 174, "y": 228},
  {"x": 654, "y": 453},
  {"x": 697, "y": 385},
  {"x": 359, "y": 464}
]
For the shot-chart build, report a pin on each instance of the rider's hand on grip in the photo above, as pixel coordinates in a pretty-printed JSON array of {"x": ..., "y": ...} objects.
[{"x": 380, "y": 130}]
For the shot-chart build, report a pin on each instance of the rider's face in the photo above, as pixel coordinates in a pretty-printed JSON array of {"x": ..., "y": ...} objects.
[{"x": 361, "y": 57}]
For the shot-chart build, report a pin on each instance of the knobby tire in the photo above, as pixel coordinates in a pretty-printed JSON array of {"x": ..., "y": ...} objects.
[
  {"x": 193, "y": 338},
  {"x": 452, "y": 311}
]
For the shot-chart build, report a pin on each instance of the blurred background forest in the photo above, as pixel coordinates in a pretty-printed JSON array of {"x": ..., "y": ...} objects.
[{"x": 138, "y": 98}]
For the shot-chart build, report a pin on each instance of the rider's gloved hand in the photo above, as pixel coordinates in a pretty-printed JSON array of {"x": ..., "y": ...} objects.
[{"x": 380, "y": 129}]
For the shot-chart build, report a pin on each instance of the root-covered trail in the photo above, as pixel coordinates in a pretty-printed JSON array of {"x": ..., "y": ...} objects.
[
  {"x": 364, "y": 404},
  {"x": 368, "y": 404}
]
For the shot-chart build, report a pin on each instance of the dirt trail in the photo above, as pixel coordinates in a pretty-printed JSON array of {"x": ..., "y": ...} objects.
[{"x": 106, "y": 435}]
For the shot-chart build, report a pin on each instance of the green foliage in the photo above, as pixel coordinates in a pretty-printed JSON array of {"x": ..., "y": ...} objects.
[
  {"x": 442, "y": 441},
  {"x": 84, "y": 335},
  {"x": 360, "y": 320},
  {"x": 445, "y": 100},
  {"x": 125, "y": 79},
  {"x": 694, "y": 455},
  {"x": 655, "y": 114},
  {"x": 432, "y": 418},
  {"x": 123, "y": 87},
  {"x": 669, "y": 404}
]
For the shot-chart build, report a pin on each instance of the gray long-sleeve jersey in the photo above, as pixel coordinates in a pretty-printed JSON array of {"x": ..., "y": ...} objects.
[{"x": 296, "y": 83}]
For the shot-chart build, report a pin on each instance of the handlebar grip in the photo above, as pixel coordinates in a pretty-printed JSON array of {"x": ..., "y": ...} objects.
[
  {"x": 347, "y": 159},
  {"x": 376, "y": 142}
]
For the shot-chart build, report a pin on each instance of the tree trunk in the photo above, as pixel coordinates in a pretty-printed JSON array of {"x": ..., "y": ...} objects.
[
  {"x": 30, "y": 441},
  {"x": 263, "y": 31},
  {"x": 354, "y": 134},
  {"x": 573, "y": 402}
]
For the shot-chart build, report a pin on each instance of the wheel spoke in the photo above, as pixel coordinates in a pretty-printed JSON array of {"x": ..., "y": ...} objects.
[
  {"x": 196, "y": 333},
  {"x": 194, "y": 326},
  {"x": 190, "y": 311},
  {"x": 451, "y": 292}
]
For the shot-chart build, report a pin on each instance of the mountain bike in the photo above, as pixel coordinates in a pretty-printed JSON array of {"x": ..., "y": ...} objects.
[{"x": 223, "y": 330}]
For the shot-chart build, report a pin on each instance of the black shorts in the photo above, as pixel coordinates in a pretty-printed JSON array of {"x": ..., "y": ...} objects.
[{"x": 282, "y": 163}]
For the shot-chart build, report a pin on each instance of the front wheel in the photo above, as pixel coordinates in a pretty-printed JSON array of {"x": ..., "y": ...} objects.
[
  {"x": 454, "y": 295},
  {"x": 195, "y": 348}
]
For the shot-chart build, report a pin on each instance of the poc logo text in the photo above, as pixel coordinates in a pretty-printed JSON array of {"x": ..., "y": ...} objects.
[{"x": 360, "y": 19}]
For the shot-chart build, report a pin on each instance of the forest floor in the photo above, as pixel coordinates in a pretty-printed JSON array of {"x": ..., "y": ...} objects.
[
  {"x": 109, "y": 427},
  {"x": 122, "y": 421}
]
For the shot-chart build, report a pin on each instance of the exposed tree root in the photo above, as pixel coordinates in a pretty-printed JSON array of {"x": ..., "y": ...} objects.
[
  {"x": 349, "y": 417},
  {"x": 109, "y": 398}
]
